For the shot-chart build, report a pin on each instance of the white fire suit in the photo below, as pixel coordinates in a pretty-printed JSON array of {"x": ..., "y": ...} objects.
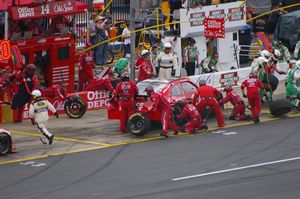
[
  {"x": 38, "y": 111},
  {"x": 167, "y": 63}
]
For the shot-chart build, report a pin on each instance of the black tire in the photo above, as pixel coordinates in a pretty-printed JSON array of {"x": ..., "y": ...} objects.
[
  {"x": 177, "y": 109},
  {"x": 5, "y": 143},
  {"x": 75, "y": 107},
  {"x": 138, "y": 124},
  {"x": 109, "y": 57},
  {"x": 280, "y": 107},
  {"x": 270, "y": 82}
]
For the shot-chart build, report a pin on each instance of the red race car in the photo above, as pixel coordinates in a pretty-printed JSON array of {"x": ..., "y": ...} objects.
[{"x": 173, "y": 90}]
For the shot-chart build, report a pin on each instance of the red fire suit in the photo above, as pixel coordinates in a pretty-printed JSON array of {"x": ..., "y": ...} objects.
[
  {"x": 126, "y": 91},
  {"x": 86, "y": 65},
  {"x": 207, "y": 96},
  {"x": 146, "y": 70},
  {"x": 190, "y": 111},
  {"x": 239, "y": 108},
  {"x": 160, "y": 103},
  {"x": 252, "y": 85},
  {"x": 99, "y": 84}
]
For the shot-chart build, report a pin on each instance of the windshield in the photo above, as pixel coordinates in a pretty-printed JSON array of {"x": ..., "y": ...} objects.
[{"x": 157, "y": 86}]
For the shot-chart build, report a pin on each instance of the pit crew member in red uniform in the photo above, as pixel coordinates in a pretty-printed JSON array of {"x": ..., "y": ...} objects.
[
  {"x": 207, "y": 95},
  {"x": 239, "y": 108},
  {"x": 101, "y": 84},
  {"x": 146, "y": 68},
  {"x": 253, "y": 84},
  {"x": 86, "y": 65},
  {"x": 191, "y": 113},
  {"x": 125, "y": 91},
  {"x": 162, "y": 105}
]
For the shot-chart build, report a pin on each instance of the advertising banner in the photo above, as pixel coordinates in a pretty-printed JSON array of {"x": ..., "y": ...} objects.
[{"x": 214, "y": 27}]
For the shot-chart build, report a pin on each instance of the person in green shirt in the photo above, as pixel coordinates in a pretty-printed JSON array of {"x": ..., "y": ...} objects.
[
  {"x": 153, "y": 57},
  {"x": 284, "y": 52},
  {"x": 121, "y": 65},
  {"x": 292, "y": 85},
  {"x": 297, "y": 51},
  {"x": 210, "y": 64},
  {"x": 191, "y": 57}
]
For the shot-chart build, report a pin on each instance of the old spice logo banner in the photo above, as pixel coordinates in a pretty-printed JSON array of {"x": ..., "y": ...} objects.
[
  {"x": 214, "y": 27},
  {"x": 44, "y": 10}
]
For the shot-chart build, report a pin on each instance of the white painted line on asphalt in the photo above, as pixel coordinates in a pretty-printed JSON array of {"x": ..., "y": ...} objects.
[{"x": 236, "y": 169}]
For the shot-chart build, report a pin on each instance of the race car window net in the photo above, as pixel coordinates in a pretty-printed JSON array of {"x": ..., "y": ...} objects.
[
  {"x": 157, "y": 86},
  {"x": 175, "y": 91},
  {"x": 188, "y": 87}
]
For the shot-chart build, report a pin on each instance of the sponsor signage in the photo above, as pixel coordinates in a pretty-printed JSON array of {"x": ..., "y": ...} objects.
[
  {"x": 5, "y": 52},
  {"x": 229, "y": 78},
  {"x": 50, "y": 9},
  {"x": 214, "y": 28}
]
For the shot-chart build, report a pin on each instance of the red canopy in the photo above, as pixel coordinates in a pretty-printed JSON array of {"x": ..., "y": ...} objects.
[
  {"x": 5, "y": 4},
  {"x": 81, "y": 6}
]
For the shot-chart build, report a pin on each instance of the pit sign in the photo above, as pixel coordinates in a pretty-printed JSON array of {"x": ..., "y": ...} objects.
[
  {"x": 214, "y": 27},
  {"x": 5, "y": 52}
]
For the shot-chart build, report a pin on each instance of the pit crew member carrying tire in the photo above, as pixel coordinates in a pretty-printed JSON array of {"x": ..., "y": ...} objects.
[
  {"x": 160, "y": 103},
  {"x": 38, "y": 112},
  {"x": 253, "y": 84},
  {"x": 207, "y": 95},
  {"x": 125, "y": 91},
  {"x": 191, "y": 113},
  {"x": 239, "y": 108}
]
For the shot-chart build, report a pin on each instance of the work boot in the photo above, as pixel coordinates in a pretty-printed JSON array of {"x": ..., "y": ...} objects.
[
  {"x": 166, "y": 135},
  {"x": 43, "y": 139},
  {"x": 51, "y": 139},
  {"x": 204, "y": 125},
  {"x": 231, "y": 118}
]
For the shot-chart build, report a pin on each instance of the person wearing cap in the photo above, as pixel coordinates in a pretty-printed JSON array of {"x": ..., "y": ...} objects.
[
  {"x": 101, "y": 35},
  {"x": 284, "y": 52},
  {"x": 122, "y": 65},
  {"x": 211, "y": 64},
  {"x": 239, "y": 108},
  {"x": 38, "y": 113},
  {"x": 293, "y": 85},
  {"x": 297, "y": 51},
  {"x": 190, "y": 113},
  {"x": 208, "y": 97},
  {"x": 126, "y": 38},
  {"x": 191, "y": 57},
  {"x": 167, "y": 62},
  {"x": 125, "y": 91},
  {"x": 86, "y": 65},
  {"x": 146, "y": 67},
  {"x": 253, "y": 84}
]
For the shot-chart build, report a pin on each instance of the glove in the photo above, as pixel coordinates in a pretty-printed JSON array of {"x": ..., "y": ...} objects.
[
  {"x": 33, "y": 122},
  {"x": 56, "y": 114},
  {"x": 282, "y": 73},
  {"x": 244, "y": 95}
]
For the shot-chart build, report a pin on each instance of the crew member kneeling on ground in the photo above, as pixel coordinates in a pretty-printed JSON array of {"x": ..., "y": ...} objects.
[
  {"x": 38, "y": 112},
  {"x": 253, "y": 84},
  {"x": 125, "y": 91},
  {"x": 207, "y": 98},
  {"x": 167, "y": 62},
  {"x": 191, "y": 113},
  {"x": 239, "y": 108}
]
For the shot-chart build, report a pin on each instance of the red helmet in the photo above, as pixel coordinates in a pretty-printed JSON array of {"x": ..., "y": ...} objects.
[
  {"x": 149, "y": 90},
  {"x": 30, "y": 69},
  {"x": 228, "y": 88}
]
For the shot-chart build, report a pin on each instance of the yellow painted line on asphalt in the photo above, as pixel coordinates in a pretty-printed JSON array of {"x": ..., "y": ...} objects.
[
  {"x": 133, "y": 141},
  {"x": 61, "y": 138}
]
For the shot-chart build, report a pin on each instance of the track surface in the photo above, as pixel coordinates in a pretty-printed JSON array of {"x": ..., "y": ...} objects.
[{"x": 147, "y": 170}]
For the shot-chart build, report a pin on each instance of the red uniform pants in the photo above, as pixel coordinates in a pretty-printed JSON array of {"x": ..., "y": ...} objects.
[
  {"x": 238, "y": 111},
  {"x": 191, "y": 125},
  {"x": 254, "y": 101},
  {"x": 214, "y": 105},
  {"x": 126, "y": 108},
  {"x": 167, "y": 122},
  {"x": 84, "y": 77}
]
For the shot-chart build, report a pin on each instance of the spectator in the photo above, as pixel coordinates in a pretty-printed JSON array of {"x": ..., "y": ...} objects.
[
  {"x": 58, "y": 23},
  {"x": 174, "y": 5},
  {"x": 153, "y": 56},
  {"x": 126, "y": 36},
  {"x": 191, "y": 57},
  {"x": 101, "y": 35},
  {"x": 92, "y": 28}
]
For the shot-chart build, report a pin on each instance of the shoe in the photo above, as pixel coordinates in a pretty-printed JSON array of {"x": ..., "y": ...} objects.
[
  {"x": 43, "y": 140},
  {"x": 204, "y": 125},
  {"x": 175, "y": 133},
  {"x": 51, "y": 139},
  {"x": 231, "y": 118},
  {"x": 166, "y": 135}
]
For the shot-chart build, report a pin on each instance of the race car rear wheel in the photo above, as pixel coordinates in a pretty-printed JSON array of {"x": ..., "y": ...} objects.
[
  {"x": 75, "y": 107},
  {"x": 5, "y": 143},
  {"x": 177, "y": 109},
  {"x": 138, "y": 124}
]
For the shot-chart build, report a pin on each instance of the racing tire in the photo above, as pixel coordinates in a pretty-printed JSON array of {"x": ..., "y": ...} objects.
[
  {"x": 177, "y": 109},
  {"x": 109, "y": 57},
  {"x": 280, "y": 107},
  {"x": 270, "y": 82},
  {"x": 138, "y": 124},
  {"x": 75, "y": 107},
  {"x": 5, "y": 143}
]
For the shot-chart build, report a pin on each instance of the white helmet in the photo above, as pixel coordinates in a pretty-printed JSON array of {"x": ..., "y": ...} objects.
[
  {"x": 262, "y": 60},
  {"x": 145, "y": 52},
  {"x": 276, "y": 54},
  {"x": 298, "y": 64},
  {"x": 36, "y": 93},
  {"x": 266, "y": 54},
  {"x": 167, "y": 45}
]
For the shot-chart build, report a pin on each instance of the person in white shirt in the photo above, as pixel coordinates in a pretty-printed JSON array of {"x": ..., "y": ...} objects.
[
  {"x": 126, "y": 37},
  {"x": 167, "y": 62}
]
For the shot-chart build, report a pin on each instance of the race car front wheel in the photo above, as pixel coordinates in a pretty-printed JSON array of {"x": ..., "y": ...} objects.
[
  {"x": 5, "y": 143},
  {"x": 75, "y": 107},
  {"x": 138, "y": 124}
]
